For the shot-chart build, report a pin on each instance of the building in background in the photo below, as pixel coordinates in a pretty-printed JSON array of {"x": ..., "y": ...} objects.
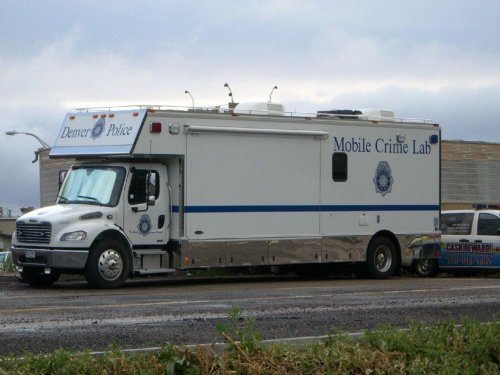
[
  {"x": 50, "y": 174},
  {"x": 7, "y": 228},
  {"x": 470, "y": 175}
]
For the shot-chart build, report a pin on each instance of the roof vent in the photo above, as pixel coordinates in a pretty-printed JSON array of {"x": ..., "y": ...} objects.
[
  {"x": 371, "y": 114},
  {"x": 260, "y": 108}
]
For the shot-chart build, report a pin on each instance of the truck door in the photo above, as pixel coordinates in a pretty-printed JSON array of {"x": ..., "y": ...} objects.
[
  {"x": 146, "y": 219},
  {"x": 456, "y": 228},
  {"x": 487, "y": 240}
]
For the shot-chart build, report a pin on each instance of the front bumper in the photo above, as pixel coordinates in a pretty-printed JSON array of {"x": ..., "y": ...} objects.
[
  {"x": 420, "y": 247},
  {"x": 50, "y": 258}
]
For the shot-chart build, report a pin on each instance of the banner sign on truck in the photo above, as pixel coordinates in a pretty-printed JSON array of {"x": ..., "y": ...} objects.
[{"x": 98, "y": 134}]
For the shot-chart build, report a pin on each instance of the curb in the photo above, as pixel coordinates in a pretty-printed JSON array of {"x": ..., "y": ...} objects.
[
  {"x": 10, "y": 277},
  {"x": 296, "y": 342}
]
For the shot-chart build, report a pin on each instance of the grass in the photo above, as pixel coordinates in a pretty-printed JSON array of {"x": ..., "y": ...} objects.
[
  {"x": 442, "y": 348},
  {"x": 7, "y": 266}
]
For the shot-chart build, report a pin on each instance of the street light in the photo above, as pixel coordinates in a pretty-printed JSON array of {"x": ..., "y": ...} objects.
[
  {"x": 274, "y": 88},
  {"x": 187, "y": 92},
  {"x": 230, "y": 92},
  {"x": 44, "y": 144}
]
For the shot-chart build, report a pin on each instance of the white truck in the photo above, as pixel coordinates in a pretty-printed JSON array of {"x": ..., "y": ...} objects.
[
  {"x": 156, "y": 189},
  {"x": 470, "y": 242}
]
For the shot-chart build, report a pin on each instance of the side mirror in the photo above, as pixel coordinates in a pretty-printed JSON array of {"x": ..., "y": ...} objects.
[
  {"x": 62, "y": 176},
  {"x": 151, "y": 188},
  {"x": 151, "y": 200}
]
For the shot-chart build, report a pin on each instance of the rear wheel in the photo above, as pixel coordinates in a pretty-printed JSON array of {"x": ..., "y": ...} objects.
[
  {"x": 381, "y": 258},
  {"x": 37, "y": 277},
  {"x": 426, "y": 267},
  {"x": 107, "y": 266}
]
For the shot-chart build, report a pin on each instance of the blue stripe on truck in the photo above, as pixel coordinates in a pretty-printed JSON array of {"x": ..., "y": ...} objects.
[{"x": 308, "y": 208}]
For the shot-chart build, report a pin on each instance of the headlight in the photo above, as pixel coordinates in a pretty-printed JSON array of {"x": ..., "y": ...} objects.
[{"x": 79, "y": 235}]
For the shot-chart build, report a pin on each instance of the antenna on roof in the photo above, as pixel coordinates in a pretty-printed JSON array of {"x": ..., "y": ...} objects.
[
  {"x": 187, "y": 92},
  {"x": 230, "y": 92},
  {"x": 274, "y": 88}
]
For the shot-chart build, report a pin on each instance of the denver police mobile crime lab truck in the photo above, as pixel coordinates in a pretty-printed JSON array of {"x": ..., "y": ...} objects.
[{"x": 160, "y": 189}]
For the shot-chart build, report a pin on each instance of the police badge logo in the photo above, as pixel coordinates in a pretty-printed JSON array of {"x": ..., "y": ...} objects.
[
  {"x": 144, "y": 225},
  {"x": 383, "y": 179},
  {"x": 98, "y": 128}
]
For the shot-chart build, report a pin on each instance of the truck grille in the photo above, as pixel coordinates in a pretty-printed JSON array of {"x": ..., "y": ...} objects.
[{"x": 33, "y": 233}]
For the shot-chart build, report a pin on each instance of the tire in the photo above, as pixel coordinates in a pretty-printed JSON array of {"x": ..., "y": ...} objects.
[
  {"x": 381, "y": 260},
  {"x": 426, "y": 267},
  {"x": 36, "y": 277},
  {"x": 108, "y": 265}
]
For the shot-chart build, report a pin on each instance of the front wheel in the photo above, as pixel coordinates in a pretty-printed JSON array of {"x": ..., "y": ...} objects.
[
  {"x": 107, "y": 266},
  {"x": 381, "y": 258},
  {"x": 426, "y": 267},
  {"x": 37, "y": 277}
]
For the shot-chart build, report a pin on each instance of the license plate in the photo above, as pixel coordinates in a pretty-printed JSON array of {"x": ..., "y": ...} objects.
[{"x": 30, "y": 253}]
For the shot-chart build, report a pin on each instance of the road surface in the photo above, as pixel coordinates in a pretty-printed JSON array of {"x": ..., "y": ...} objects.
[{"x": 151, "y": 312}]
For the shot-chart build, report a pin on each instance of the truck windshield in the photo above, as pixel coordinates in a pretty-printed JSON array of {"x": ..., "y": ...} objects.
[{"x": 92, "y": 185}]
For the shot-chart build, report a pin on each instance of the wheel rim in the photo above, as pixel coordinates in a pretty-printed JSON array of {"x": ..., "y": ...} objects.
[
  {"x": 424, "y": 266},
  {"x": 383, "y": 258},
  {"x": 110, "y": 264}
]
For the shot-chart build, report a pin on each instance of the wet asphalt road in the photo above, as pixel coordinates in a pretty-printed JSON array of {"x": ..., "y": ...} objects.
[{"x": 149, "y": 313}]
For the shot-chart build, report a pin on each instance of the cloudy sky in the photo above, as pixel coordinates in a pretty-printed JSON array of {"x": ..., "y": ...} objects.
[{"x": 431, "y": 59}]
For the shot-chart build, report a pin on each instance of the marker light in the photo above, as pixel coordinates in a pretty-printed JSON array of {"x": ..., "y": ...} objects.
[
  {"x": 434, "y": 138},
  {"x": 155, "y": 127}
]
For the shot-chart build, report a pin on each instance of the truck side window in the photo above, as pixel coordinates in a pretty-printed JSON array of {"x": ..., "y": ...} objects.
[
  {"x": 339, "y": 166},
  {"x": 457, "y": 223},
  {"x": 137, "y": 189},
  {"x": 488, "y": 225}
]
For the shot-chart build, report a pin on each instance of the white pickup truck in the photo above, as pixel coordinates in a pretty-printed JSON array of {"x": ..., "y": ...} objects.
[{"x": 470, "y": 241}]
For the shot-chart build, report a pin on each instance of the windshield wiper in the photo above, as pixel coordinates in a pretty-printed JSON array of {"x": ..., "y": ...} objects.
[
  {"x": 64, "y": 199},
  {"x": 91, "y": 198}
]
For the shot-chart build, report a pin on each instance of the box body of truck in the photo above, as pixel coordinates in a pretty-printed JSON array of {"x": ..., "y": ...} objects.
[{"x": 159, "y": 190}]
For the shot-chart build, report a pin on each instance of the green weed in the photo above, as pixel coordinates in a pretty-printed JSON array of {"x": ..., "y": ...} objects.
[{"x": 442, "y": 348}]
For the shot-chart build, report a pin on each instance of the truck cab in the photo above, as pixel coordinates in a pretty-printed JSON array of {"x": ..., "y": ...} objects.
[
  {"x": 470, "y": 241},
  {"x": 119, "y": 211}
]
